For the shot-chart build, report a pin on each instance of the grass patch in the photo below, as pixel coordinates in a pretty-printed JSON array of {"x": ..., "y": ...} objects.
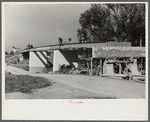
[{"x": 24, "y": 83}]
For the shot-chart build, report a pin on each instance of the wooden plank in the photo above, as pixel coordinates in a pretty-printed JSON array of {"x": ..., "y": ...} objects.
[
  {"x": 116, "y": 75},
  {"x": 119, "y": 62}
]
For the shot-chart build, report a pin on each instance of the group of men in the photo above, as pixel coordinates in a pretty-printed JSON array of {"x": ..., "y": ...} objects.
[
  {"x": 98, "y": 69},
  {"x": 29, "y": 46}
]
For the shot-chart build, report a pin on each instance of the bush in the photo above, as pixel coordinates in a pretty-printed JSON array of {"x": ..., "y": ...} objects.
[
  {"x": 24, "y": 64},
  {"x": 12, "y": 59},
  {"x": 47, "y": 69},
  {"x": 11, "y": 52},
  {"x": 8, "y": 56}
]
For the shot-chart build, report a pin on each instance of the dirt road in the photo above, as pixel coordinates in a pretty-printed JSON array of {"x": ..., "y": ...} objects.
[{"x": 99, "y": 85}]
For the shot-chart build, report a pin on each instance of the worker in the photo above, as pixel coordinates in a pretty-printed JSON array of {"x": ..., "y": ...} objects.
[
  {"x": 99, "y": 70},
  {"x": 60, "y": 41},
  {"x": 31, "y": 46},
  {"x": 27, "y": 47},
  {"x": 88, "y": 68}
]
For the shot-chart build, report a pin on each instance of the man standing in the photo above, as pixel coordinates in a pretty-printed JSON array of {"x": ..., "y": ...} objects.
[
  {"x": 88, "y": 68},
  {"x": 60, "y": 41},
  {"x": 99, "y": 70}
]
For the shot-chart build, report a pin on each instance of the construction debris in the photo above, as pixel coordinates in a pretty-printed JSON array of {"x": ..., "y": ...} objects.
[
  {"x": 139, "y": 78},
  {"x": 67, "y": 69}
]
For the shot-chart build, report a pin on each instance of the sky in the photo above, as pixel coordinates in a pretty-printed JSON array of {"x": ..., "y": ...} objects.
[{"x": 41, "y": 24}]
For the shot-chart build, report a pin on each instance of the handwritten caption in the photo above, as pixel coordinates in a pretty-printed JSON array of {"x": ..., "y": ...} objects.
[{"x": 70, "y": 101}]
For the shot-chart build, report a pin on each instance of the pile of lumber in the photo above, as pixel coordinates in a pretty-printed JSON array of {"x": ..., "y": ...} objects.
[
  {"x": 138, "y": 78},
  {"x": 117, "y": 76}
]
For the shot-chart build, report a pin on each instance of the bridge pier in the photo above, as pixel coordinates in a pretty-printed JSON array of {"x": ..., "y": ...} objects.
[
  {"x": 61, "y": 57},
  {"x": 37, "y": 62}
]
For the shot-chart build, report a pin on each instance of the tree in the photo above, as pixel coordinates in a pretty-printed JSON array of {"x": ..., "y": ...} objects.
[
  {"x": 11, "y": 52},
  {"x": 82, "y": 35},
  {"x": 120, "y": 22},
  {"x": 128, "y": 22},
  {"x": 6, "y": 53},
  {"x": 60, "y": 40},
  {"x": 95, "y": 24}
]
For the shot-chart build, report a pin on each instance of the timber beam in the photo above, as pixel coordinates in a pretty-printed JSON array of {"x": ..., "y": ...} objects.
[{"x": 119, "y": 62}]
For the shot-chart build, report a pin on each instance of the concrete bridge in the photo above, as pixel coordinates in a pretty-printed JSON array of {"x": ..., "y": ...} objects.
[
  {"x": 55, "y": 55},
  {"x": 77, "y": 45}
]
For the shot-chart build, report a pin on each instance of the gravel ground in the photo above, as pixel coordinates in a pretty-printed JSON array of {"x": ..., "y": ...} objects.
[
  {"x": 83, "y": 87},
  {"x": 57, "y": 91}
]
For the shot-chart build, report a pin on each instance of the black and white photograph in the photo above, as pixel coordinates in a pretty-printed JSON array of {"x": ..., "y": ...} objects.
[{"x": 78, "y": 53}]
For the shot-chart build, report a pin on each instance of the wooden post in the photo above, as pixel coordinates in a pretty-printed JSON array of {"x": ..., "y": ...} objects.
[
  {"x": 101, "y": 70},
  {"x": 134, "y": 67},
  {"x": 126, "y": 68},
  {"x": 119, "y": 68},
  {"x": 88, "y": 70},
  {"x": 100, "y": 62},
  {"x": 91, "y": 66},
  {"x": 142, "y": 62},
  {"x": 142, "y": 66},
  {"x": 96, "y": 67}
]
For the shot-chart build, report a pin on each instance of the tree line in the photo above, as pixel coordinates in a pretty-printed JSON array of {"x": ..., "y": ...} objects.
[{"x": 113, "y": 22}]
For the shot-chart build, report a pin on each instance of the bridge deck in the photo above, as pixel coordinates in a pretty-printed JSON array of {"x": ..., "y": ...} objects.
[{"x": 78, "y": 45}]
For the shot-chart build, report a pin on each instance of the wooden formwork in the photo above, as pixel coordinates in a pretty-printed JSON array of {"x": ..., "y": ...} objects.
[{"x": 112, "y": 55}]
